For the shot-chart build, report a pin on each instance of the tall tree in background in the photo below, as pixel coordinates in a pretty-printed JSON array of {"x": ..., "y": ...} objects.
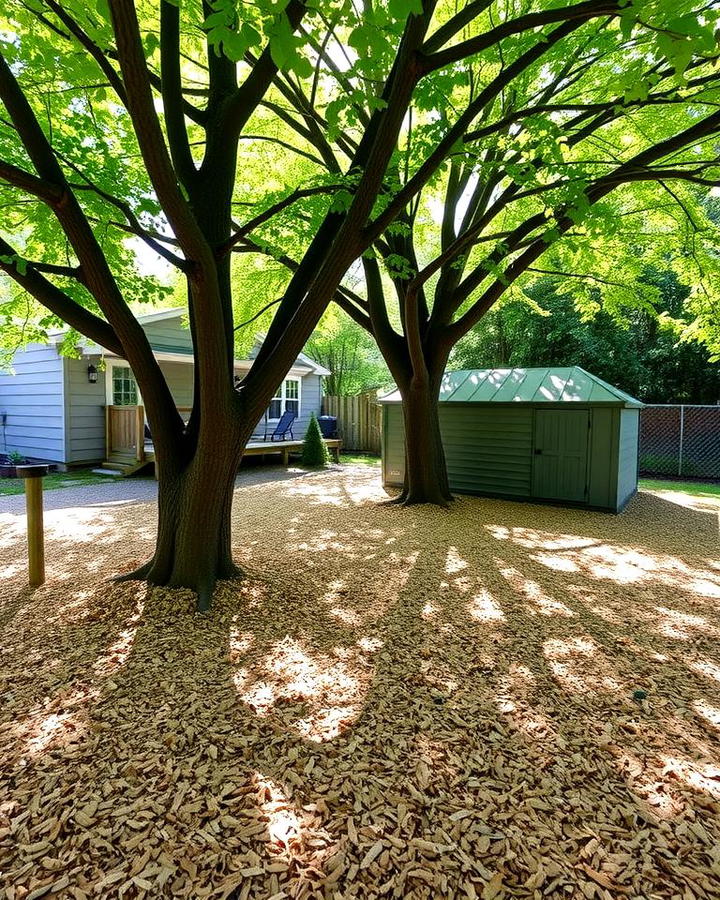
[
  {"x": 593, "y": 123},
  {"x": 349, "y": 353}
]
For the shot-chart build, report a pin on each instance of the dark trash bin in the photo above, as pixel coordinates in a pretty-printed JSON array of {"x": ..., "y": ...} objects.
[{"x": 328, "y": 426}]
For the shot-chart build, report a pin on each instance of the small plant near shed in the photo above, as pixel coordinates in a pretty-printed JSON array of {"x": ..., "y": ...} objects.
[{"x": 315, "y": 451}]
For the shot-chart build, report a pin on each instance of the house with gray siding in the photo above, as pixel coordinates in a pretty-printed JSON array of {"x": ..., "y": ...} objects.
[{"x": 88, "y": 410}]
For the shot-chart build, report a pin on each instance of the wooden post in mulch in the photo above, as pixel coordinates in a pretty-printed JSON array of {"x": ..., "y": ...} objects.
[{"x": 33, "y": 476}]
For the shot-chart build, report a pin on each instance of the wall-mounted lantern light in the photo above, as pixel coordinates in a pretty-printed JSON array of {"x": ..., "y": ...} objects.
[{"x": 92, "y": 374}]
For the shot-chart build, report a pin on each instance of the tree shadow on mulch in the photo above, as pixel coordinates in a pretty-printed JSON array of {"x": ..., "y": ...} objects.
[{"x": 404, "y": 703}]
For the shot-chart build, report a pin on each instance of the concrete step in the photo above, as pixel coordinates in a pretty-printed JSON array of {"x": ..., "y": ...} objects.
[{"x": 116, "y": 473}]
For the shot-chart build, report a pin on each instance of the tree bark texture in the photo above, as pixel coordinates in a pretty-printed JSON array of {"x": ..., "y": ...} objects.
[
  {"x": 193, "y": 546},
  {"x": 426, "y": 478}
]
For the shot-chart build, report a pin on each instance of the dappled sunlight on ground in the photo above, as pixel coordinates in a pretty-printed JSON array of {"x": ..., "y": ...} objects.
[
  {"x": 605, "y": 561},
  {"x": 540, "y": 601},
  {"x": 485, "y": 609},
  {"x": 499, "y": 700},
  {"x": 318, "y": 691},
  {"x": 578, "y": 665},
  {"x": 702, "y": 503}
]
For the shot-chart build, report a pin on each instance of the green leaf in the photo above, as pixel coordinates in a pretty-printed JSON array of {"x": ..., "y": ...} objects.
[
  {"x": 151, "y": 43},
  {"x": 401, "y": 9}
]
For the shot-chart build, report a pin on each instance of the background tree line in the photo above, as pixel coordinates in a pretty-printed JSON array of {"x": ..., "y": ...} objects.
[{"x": 651, "y": 354}]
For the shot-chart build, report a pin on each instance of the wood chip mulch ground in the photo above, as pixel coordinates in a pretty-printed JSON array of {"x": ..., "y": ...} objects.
[{"x": 503, "y": 700}]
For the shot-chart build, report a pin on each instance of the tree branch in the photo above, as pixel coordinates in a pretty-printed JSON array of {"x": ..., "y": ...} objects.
[
  {"x": 238, "y": 109},
  {"x": 449, "y": 29},
  {"x": 579, "y": 12},
  {"x": 603, "y": 186},
  {"x": 171, "y": 89},
  {"x": 97, "y": 276},
  {"x": 149, "y": 134},
  {"x": 93, "y": 49},
  {"x": 430, "y": 165},
  {"x": 273, "y": 210},
  {"x": 38, "y": 187},
  {"x": 58, "y": 302},
  {"x": 134, "y": 223}
]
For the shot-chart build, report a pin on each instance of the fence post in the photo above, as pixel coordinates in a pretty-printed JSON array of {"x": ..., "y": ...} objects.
[
  {"x": 682, "y": 429},
  {"x": 33, "y": 475}
]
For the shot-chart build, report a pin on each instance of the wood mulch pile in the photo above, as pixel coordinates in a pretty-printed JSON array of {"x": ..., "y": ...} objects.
[{"x": 502, "y": 700}]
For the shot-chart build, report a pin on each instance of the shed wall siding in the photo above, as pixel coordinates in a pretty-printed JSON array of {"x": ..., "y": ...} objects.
[
  {"x": 602, "y": 458},
  {"x": 32, "y": 397},
  {"x": 393, "y": 443},
  {"x": 85, "y": 413},
  {"x": 488, "y": 450},
  {"x": 627, "y": 455}
]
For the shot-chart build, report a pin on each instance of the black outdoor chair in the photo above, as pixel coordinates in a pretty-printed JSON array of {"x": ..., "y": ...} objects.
[{"x": 284, "y": 427}]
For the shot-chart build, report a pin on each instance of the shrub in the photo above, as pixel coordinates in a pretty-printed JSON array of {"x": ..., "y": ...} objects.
[{"x": 315, "y": 452}]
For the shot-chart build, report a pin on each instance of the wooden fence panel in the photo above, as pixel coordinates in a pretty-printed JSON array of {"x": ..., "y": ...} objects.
[{"x": 359, "y": 420}]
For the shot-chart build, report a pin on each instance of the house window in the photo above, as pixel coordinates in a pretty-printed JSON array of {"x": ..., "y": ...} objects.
[
  {"x": 286, "y": 399},
  {"x": 292, "y": 396},
  {"x": 124, "y": 388}
]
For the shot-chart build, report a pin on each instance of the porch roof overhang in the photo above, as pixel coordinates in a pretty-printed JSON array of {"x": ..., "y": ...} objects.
[
  {"x": 177, "y": 356},
  {"x": 303, "y": 364}
]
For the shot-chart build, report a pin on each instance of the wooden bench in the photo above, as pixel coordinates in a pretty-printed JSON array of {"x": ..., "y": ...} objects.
[{"x": 285, "y": 448}]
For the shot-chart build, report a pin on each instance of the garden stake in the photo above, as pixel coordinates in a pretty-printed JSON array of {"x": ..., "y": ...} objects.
[{"x": 33, "y": 476}]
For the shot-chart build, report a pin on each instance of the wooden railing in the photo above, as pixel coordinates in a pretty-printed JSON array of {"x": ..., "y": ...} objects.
[{"x": 125, "y": 432}]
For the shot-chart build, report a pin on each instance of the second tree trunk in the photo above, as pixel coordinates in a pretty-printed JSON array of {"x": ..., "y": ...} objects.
[{"x": 426, "y": 478}]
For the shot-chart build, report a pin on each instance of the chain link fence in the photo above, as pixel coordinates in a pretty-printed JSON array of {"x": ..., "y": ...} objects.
[{"x": 680, "y": 441}]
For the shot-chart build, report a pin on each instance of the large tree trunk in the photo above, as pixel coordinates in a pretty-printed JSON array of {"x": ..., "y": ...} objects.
[
  {"x": 426, "y": 479},
  {"x": 193, "y": 548},
  {"x": 196, "y": 476}
]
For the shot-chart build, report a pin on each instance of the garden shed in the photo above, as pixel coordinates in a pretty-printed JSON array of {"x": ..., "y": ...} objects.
[{"x": 557, "y": 434}]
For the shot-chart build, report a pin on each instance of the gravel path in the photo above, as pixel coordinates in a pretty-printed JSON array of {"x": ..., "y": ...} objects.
[
  {"x": 502, "y": 700},
  {"x": 129, "y": 490}
]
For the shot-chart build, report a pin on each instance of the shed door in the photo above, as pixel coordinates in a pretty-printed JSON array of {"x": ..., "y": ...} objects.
[{"x": 561, "y": 448}]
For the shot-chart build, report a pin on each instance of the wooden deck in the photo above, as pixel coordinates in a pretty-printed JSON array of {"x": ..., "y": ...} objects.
[
  {"x": 268, "y": 448},
  {"x": 127, "y": 449},
  {"x": 285, "y": 448}
]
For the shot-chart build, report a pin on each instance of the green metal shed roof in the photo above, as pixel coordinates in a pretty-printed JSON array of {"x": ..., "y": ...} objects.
[{"x": 569, "y": 384}]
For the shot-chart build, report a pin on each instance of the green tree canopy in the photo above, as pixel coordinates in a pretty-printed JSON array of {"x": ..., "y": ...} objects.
[
  {"x": 646, "y": 354},
  {"x": 589, "y": 152}
]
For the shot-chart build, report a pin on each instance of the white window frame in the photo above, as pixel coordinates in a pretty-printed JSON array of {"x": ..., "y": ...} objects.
[
  {"x": 283, "y": 398},
  {"x": 109, "y": 392}
]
